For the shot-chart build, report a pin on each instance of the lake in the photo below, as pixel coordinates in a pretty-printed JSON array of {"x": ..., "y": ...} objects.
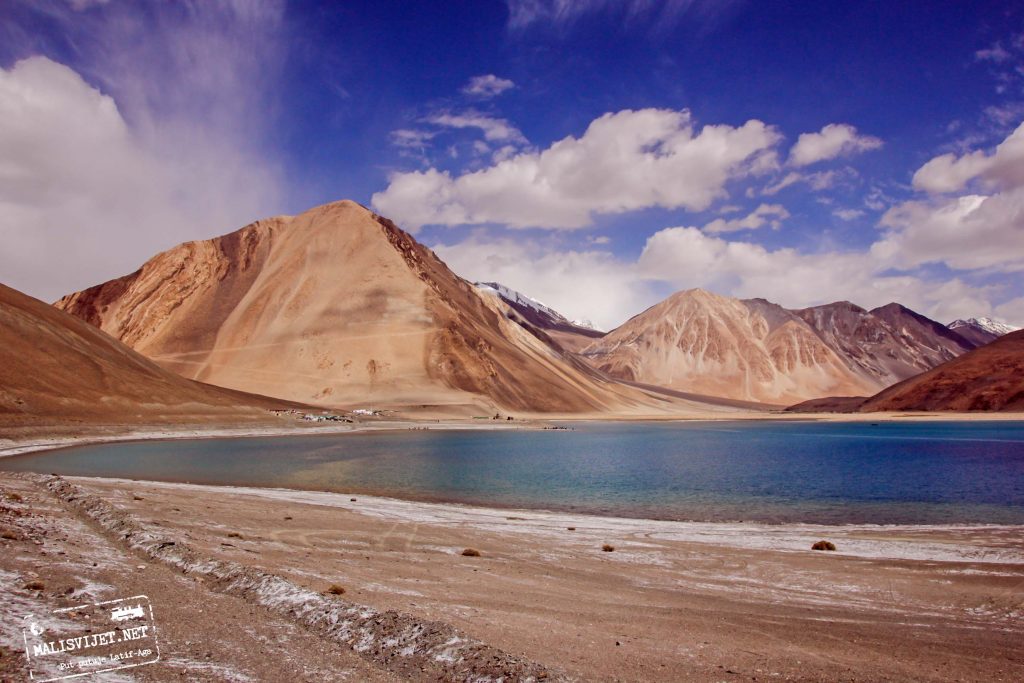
[{"x": 819, "y": 472}]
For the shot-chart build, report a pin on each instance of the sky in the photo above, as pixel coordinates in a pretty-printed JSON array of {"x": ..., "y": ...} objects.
[{"x": 596, "y": 155}]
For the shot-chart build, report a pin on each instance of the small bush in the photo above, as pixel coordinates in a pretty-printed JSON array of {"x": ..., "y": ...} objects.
[
  {"x": 234, "y": 534},
  {"x": 9, "y": 535},
  {"x": 335, "y": 589},
  {"x": 287, "y": 517},
  {"x": 607, "y": 547},
  {"x": 35, "y": 585},
  {"x": 570, "y": 528},
  {"x": 471, "y": 552},
  {"x": 15, "y": 497},
  {"x": 137, "y": 498},
  {"x": 824, "y": 545}
]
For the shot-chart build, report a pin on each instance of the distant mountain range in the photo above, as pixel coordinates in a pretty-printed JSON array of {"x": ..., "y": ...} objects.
[
  {"x": 339, "y": 307},
  {"x": 981, "y": 330}
]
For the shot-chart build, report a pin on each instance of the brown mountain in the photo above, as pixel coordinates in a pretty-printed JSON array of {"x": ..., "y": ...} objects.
[
  {"x": 56, "y": 369},
  {"x": 755, "y": 350},
  {"x": 988, "y": 378},
  {"x": 701, "y": 342},
  {"x": 338, "y": 306},
  {"x": 885, "y": 345}
]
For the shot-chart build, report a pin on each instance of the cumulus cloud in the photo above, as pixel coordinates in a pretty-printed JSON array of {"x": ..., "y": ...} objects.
[
  {"x": 834, "y": 140},
  {"x": 624, "y": 161},
  {"x": 487, "y": 86},
  {"x": 951, "y": 173},
  {"x": 966, "y": 233},
  {"x": 158, "y": 148},
  {"x": 765, "y": 214}
]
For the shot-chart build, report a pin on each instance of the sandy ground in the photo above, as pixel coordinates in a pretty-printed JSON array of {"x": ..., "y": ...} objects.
[{"x": 673, "y": 601}]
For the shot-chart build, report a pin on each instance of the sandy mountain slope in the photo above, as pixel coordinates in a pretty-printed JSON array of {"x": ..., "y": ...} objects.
[
  {"x": 701, "y": 342},
  {"x": 338, "y": 306},
  {"x": 530, "y": 313},
  {"x": 988, "y": 378},
  {"x": 886, "y": 345},
  {"x": 56, "y": 369}
]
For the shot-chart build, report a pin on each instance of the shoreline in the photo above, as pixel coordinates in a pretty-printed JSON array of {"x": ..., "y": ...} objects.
[
  {"x": 860, "y": 538},
  {"x": 126, "y": 433},
  {"x": 593, "y": 598}
]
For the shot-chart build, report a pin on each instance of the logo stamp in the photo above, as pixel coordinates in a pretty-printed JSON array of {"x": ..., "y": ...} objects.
[{"x": 90, "y": 639}]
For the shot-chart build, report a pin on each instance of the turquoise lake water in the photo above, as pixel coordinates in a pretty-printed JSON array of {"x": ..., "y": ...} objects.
[{"x": 911, "y": 473}]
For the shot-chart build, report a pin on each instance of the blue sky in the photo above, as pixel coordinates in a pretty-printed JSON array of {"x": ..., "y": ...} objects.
[{"x": 594, "y": 154}]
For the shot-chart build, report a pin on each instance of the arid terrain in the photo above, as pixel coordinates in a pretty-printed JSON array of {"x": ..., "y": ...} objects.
[{"x": 672, "y": 601}]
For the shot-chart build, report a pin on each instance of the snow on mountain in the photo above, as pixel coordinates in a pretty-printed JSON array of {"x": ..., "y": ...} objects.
[
  {"x": 519, "y": 299},
  {"x": 996, "y": 327}
]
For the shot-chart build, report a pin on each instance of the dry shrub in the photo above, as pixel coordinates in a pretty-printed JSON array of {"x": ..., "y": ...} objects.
[
  {"x": 571, "y": 528},
  {"x": 335, "y": 589},
  {"x": 608, "y": 547},
  {"x": 9, "y": 535},
  {"x": 824, "y": 545},
  {"x": 234, "y": 534},
  {"x": 471, "y": 552},
  {"x": 15, "y": 497},
  {"x": 35, "y": 585}
]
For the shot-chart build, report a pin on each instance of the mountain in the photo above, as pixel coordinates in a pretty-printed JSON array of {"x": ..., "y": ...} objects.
[
  {"x": 338, "y": 306},
  {"x": 988, "y": 378},
  {"x": 756, "y": 350},
  {"x": 887, "y": 344},
  {"x": 981, "y": 330},
  {"x": 701, "y": 342},
  {"x": 56, "y": 369},
  {"x": 572, "y": 335}
]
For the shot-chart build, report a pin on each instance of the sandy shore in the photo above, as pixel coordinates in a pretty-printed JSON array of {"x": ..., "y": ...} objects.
[{"x": 673, "y": 601}]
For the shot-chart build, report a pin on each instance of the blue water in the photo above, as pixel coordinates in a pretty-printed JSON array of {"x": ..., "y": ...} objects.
[{"x": 913, "y": 473}]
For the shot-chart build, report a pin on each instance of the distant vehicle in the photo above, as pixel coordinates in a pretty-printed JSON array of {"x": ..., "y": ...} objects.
[{"x": 126, "y": 613}]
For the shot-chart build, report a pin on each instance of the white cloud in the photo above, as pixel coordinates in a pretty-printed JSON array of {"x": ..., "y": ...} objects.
[
  {"x": 95, "y": 179},
  {"x": 765, "y": 214},
  {"x": 834, "y": 140},
  {"x": 951, "y": 173},
  {"x": 847, "y": 214},
  {"x": 624, "y": 161},
  {"x": 1011, "y": 311},
  {"x": 487, "y": 86},
  {"x": 817, "y": 181},
  {"x": 582, "y": 285},
  {"x": 660, "y": 15},
  {"x": 997, "y": 53},
  {"x": 494, "y": 129},
  {"x": 966, "y": 233},
  {"x": 411, "y": 138},
  {"x": 599, "y": 286}
]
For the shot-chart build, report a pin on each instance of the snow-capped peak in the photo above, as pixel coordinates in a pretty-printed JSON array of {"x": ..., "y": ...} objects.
[
  {"x": 520, "y": 299},
  {"x": 996, "y": 327}
]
